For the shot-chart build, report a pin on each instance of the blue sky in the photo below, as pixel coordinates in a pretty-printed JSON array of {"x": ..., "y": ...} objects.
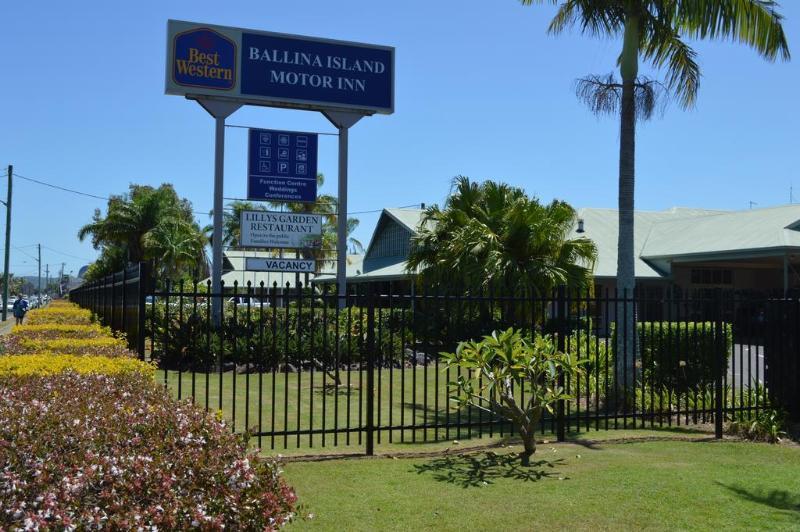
[{"x": 481, "y": 90}]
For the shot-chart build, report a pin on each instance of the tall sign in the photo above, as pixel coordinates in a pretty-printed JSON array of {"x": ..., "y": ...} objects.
[
  {"x": 281, "y": 166},
  {"x": 280, "y": 70},
  {"x": 223, "y": 68},
  {"x": 280, "y": 230}
]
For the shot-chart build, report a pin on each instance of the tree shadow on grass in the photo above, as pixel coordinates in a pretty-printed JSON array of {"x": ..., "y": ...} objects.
[
  {"x": 476, "y": 470},
  {"x": 778, "y": 499}
]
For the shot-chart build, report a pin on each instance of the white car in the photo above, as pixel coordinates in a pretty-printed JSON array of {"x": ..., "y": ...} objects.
[{"x": 243, "y": 301}]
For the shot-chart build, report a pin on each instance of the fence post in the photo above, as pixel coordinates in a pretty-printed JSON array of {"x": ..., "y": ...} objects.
[
  {"x": 123, "y": 317},
  {"x": 561, "y": 328},
  {"x": 370, "y": 428},
  {"x": 719, "y": 353},
  {"x": 141, "y": 309}
]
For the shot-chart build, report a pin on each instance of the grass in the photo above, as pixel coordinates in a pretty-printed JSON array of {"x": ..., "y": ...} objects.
[
  {"x": 655, "y": 485},
  {"x": 301, "y": 399},
  {"x": 305, "y": 400}
]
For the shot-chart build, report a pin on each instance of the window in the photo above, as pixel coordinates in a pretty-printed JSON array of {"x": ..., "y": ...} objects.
[{"x": 712, "y": 276}]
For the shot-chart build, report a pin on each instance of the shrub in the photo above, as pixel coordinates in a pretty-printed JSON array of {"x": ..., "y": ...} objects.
[
  {"x": 49, "y": 364},
  {"x": 504, "y": 362},
  {"x": 60, "y": 330},
  {"x": 768, "y": 425},
  {"x": 679, "y": 355},
  {"x": 59, "y": 314},
  {"x": 117, "y": 452},
  {"x": 107, "y": 346}
]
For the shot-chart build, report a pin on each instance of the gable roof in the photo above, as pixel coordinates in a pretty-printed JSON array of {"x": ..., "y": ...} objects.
[{"x": 407, "y": 218}]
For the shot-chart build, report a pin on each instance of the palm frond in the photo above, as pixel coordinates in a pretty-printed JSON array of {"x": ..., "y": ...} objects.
[
  {"x": 755, "y": 23},
  {"x": 603, "y": 95}
]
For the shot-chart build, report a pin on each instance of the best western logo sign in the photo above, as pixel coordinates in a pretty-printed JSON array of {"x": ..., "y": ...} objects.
[{"x": 204, "y": 58}]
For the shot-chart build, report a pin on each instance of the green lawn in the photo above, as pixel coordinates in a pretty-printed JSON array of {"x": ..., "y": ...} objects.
[
  {"x": 599, "y": 486},
  {"x": 308, "y": 399}
]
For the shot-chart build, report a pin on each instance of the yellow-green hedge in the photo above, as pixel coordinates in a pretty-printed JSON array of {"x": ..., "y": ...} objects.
[
  {"x": 53, "y": 330},
  {"x": 50, "y": 364},
  {"x": 60, "y": 314},
  {"x": 102, "y": 345}
]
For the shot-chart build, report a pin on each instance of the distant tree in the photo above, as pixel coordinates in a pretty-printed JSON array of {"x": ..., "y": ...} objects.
[
  {"x": 493, "y": 236},
  {"x": 147, "y": 224},
  {"x": 325, "y": 205},
  {"x": 231, "y": 222}
]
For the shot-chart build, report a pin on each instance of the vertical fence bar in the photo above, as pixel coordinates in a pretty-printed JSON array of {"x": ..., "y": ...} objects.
[
  {"x": 561, "y": 313},
  {"x": 370, "y": 351},
  {"x": 719, "y": 352},
  {"x": 142, "y": 308}
]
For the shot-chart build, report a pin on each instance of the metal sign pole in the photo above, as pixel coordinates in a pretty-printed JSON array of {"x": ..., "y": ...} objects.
[
  {"x": 343, "y": 122},
  {"x": 220, "y": 110}
]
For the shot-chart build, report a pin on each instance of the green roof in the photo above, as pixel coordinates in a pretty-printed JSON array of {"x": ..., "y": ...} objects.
[
  {"x": 601, "y": 226},
  {"x": 740, "y": 233},
  {"x": 673, "y": 234}
]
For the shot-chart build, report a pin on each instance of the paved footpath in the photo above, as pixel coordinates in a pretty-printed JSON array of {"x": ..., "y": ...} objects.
[{"x": 5, "y": 326}]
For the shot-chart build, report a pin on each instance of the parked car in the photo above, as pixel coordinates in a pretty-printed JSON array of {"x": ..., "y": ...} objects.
[{"x": 243, "y": 301}]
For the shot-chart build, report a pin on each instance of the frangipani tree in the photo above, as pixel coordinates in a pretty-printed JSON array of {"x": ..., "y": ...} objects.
[{"x": 499, "y": 367}]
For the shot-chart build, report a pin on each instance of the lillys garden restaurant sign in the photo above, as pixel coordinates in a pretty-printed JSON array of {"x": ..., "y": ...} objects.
[{"x": 265, "y": 68}]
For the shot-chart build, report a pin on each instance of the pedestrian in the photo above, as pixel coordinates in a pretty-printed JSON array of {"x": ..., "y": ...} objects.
[{"x": 20, "y": 308}]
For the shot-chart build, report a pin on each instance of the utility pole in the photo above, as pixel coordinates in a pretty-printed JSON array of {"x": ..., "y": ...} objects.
[
  {"x": 47, "y": 277},
  {"x": 61, "y": 280},
  {"x": 8, "y": 244},
  {"x": 39, "y": 260}
]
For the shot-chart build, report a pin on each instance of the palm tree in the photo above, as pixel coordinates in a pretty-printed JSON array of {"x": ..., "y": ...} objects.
[
  {"x": 492, "y": 235},
  {"x": 231, "y": 222},
  {"x": 174, "y": 247},
  {"x": 327, "y": 206},
  {"x": 146, "y": 224},
  {"x": 655, "y": 30}
]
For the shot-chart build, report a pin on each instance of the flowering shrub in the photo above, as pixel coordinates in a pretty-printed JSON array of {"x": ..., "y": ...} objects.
[
  {"x": 48, "y": 364},
  {"x": 117, "y": 452},
  {"x": 88, "y": 440}
]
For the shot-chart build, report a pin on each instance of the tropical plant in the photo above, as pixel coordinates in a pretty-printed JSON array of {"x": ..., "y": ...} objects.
[
  {"x": 493, "y": 236},
  {"x": 146, "y": 224},
  {"x": 656, "y": 31},
  {"x": 498, "y": 369},
  {"x": 326, "y": 205},
  {"x": 232, "y": 220}
]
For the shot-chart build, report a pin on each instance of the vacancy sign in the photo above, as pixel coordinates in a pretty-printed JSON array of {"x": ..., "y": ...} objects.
[{"x": 257, "y": 264}]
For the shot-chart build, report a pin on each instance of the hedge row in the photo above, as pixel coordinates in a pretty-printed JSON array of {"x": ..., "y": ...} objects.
[{"x": 92, "y": 442}]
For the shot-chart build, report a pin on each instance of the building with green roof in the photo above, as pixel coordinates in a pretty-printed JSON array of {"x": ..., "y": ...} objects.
[{"x": 693, "y": 249}]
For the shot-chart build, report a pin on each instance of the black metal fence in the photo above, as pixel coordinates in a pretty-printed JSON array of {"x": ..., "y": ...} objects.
[
  {"x": 301, "y": 366},
  {"x": 118, "y": 301}
]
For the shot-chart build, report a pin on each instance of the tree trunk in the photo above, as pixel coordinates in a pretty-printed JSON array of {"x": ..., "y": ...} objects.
[
  {"x": 625, "y": 351},
  {"x": 529, "y": 443}
]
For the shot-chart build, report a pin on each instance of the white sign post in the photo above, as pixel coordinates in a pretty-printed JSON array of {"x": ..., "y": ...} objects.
[{"x": 280, "y": 230}]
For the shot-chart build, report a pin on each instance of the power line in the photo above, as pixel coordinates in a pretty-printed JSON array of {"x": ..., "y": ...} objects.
[
  {"x": 66, "y": 254},
  {"x": 204, "y": 213},
  {"x": 58, "y": 187}
]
